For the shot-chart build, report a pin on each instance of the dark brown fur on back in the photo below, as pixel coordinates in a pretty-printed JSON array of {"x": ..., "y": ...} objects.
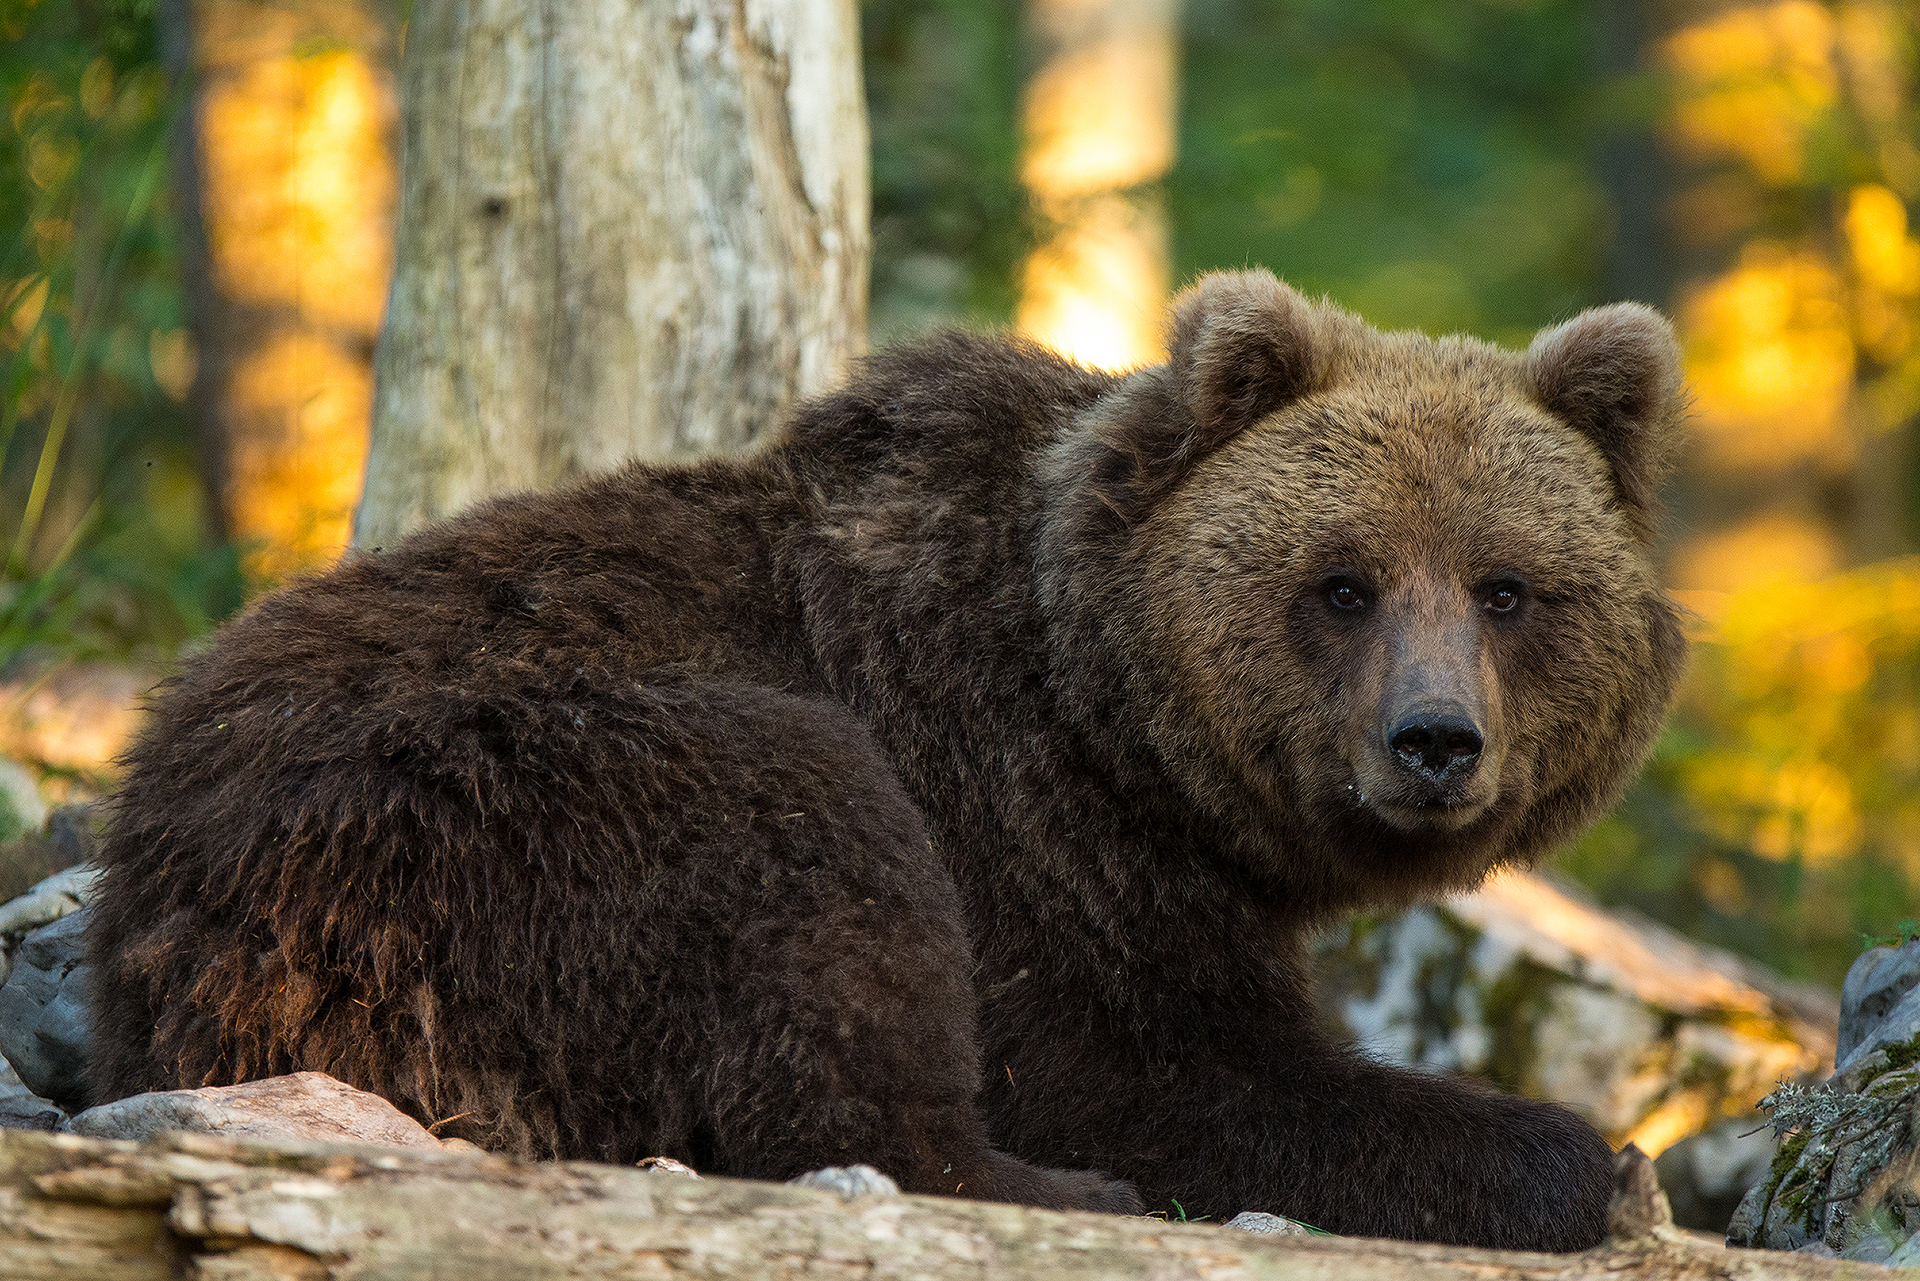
[{"x": 958, "y": 777}]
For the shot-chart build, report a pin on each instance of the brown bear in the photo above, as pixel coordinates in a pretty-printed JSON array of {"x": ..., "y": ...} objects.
[{"x": 949, "y": 786}]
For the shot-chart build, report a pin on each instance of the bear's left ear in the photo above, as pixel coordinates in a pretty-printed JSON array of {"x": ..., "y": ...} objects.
[{"x": 1614, "y": 374}]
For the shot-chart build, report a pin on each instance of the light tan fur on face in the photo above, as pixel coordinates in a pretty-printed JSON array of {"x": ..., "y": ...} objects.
[
  {"x": 1424, "y": 470},
  {"x": 1431, "y": 651}
]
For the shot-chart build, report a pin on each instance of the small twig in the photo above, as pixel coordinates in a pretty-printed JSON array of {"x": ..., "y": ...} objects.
[{"x": 448, "y": 1120}]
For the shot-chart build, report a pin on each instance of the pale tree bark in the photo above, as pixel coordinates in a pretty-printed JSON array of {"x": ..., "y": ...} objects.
[
  {"x": 627, "y": 230},
  {"x": 285, "y": 185},
  {"x": 197, "y": 1205}
]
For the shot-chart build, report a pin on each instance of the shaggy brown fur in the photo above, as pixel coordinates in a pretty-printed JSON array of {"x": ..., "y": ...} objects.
[{"x": 958, "y": 776}]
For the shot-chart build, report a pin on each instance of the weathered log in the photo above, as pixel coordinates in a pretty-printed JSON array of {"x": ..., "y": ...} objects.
[{"x": 194, "y": 1205}]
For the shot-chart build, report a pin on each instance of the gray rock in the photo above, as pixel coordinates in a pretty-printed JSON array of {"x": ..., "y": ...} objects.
[
  {"x": 1642, "y": 1032},
  {"x": 1896, "y": 1026},
  {"x": 848, "y": 1181},
  {"x": 1847, "y": 1175},
  {"x": 74, "y": 833},
  {"x": 76, "y": 882},
  {"x": 1873, "y": 1246},
  {"x": 1255, "y": 1221},
  {"x": 1879, "y": 980},
  {"x": 1745, "y": 1228},
  {"x": 21, "y": 1108},
  {"x": 306, "y": 1105},
  {"x": 46, "y": 1012},
  {"x": 1907, "y": 1256},
  {"x": 35, "y": 908},
  {"x": 43, "y": 904},
  {"x": 1707, "y": 1175},
  {"x": 1846, "y": 1179}
]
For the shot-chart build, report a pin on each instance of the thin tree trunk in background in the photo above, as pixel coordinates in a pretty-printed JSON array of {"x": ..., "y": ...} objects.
[
  {"x": 285, "y": 184},
  {"x": 626, "y": 231},
  {"x": 1099, "y": 122}
]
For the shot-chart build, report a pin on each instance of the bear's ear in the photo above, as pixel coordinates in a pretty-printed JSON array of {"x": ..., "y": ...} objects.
[
  {"x": 1240, "y": 345},
  {"x": 1614, "y": 374}
]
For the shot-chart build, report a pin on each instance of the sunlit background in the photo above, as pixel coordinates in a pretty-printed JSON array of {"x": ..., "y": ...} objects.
[{"x": 192, "y": 300}]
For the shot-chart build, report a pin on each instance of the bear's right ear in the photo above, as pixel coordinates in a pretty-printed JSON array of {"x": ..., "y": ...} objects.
[
  {"x": 1614, "y": 374},
  {"x": 1239, "y": 345}
]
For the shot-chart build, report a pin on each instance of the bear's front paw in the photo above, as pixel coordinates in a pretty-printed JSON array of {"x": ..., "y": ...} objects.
[{"x": 1091, "y": 1190}]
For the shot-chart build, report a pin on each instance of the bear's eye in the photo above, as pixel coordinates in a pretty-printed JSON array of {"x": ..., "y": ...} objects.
[
  {"x": 1344, "y": 594},
  {"x": 1504, "y": 597}
]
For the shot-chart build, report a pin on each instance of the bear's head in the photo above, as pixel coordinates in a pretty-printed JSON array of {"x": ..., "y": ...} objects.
[{"x": 1388, "y": 603}]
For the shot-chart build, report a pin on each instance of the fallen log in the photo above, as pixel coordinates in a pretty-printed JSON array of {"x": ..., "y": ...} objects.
[{"x": 217, "y": 1209}]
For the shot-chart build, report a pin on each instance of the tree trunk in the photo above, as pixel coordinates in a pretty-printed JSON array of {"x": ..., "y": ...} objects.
[
  {"x": 196, "y": 1205},
  {"x": 1099, "y": 124},
  {"x": 284, "y": 177},
  {"x": 627, "y": 230}
]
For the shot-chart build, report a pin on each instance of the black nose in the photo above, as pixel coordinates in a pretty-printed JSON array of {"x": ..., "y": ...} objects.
[{"x": 1439, "y": 746}]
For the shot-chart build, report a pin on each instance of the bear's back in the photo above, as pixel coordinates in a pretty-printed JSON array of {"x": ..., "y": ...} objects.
[{"x": 959, "y": 418}]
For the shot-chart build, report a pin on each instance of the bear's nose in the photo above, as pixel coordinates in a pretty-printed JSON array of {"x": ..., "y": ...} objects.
[{"x": 1439, "y": 746}]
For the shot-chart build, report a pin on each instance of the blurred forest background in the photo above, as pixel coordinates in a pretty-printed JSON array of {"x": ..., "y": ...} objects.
[{"x": 187, "y": 334}]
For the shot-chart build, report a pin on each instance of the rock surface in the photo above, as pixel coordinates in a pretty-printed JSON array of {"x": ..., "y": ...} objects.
[
  {"x": 1879, "y": 1003},
  {"x": 1707, "y": 1175},
  {"x": 305, "y": 1106},
  {"x": 21, "y": 1108},
  {"x": 45, "y": 1006},
  {"x": 1267, "y": 1224},
  {"x": 46, "y": 1010},
  {"x": 848, "y": 1181},
  {"x": 1647, "y": 1034},
  {"x": 1846, "y": 1178},
  {"x": 1639, "y": 1207}
]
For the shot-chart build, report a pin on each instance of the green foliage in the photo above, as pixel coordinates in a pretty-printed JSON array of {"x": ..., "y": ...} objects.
[
  {"x": 1906, "y": 932},
  {"x": 949, "y": 218},
  {"x": 1431, "y": 166},
  {"x": 1180, "y": 1211},
  {"x": 100, "y": 509},
  {"x": 1780, "y": 813}
]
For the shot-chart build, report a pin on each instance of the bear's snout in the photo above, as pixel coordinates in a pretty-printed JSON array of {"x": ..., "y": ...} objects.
[
  {"x": 1431, "y": 756},
  {"x": 1438, "y": 744}
]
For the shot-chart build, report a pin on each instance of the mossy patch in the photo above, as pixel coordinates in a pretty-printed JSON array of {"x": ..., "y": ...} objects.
[
  {"x": 1904, "y": 1054},
  {"x": 1784, "y": 1161}
]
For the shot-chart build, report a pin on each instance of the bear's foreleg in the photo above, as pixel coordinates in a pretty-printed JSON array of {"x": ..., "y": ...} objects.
[
  {"x": 1366, "y": 1149},
  {"x": 1286, "y": 1123}
]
